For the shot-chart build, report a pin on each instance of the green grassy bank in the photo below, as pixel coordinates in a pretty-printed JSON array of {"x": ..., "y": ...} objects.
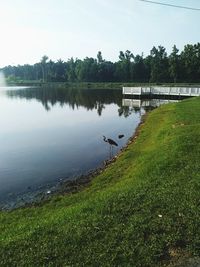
[{"x": 143, "y": 210}]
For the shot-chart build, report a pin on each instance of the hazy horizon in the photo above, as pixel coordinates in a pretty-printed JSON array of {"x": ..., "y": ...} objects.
[{"x": 78, "y": 29}]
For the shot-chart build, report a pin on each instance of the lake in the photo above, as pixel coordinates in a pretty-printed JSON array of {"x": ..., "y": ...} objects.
[{"x": 49, "y": 135}]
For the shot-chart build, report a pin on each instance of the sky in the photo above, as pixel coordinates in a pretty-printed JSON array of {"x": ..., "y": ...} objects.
[{"x": 79, "y": 28}]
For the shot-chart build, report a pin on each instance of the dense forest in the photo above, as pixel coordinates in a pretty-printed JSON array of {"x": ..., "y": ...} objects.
[{"x": 158, "y": 67}]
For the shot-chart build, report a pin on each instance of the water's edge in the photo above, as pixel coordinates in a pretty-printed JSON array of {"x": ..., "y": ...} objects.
[{"x": 66, "y": 186}]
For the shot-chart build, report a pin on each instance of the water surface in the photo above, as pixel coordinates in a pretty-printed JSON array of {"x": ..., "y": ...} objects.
[{"x": 51, "y": 134}]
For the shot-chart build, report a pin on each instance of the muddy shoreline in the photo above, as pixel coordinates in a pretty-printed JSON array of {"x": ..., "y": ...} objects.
[
  {"x": 83, "y": 181},
  {"x": 72, "y": 186}
]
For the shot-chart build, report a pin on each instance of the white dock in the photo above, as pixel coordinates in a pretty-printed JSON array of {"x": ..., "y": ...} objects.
[{"x": 161, "y": 90}]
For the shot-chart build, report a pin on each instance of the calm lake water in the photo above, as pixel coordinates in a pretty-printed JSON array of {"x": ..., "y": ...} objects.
[{"x": 51, "y": 134}]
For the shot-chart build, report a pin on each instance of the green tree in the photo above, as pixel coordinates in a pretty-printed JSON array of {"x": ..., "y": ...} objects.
[
  {"x": 123, "y": 66},
  {"x": 99, "y": 58},
  {"x": 43, "y": 63},
  {"x": 174, "y": 64},
  {"x": 71, "y": 70},
  {"x": 159, "y": 65},
  {"x": 87, "y": 70},
  {"x": 190, "y": 61},
  {"x": 140, "y": 71}
]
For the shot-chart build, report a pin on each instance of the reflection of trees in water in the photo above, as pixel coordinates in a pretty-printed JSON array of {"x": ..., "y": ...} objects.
[
  {"x": 126, "y": 111},
  {"x": 87, "y": 98}
]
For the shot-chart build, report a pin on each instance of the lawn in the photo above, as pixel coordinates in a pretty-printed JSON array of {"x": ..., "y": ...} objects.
[{"x": 142, "y": 210}]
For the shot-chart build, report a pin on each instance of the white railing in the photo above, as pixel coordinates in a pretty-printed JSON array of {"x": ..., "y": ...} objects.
[
  {"x": 132, "y": 90},
  {"x": 159, "y": 90}
]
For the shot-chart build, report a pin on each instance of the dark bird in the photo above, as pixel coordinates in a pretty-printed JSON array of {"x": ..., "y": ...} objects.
[
  {"x": 110, "y": 141},
  {"x": 120, "y": 136}
]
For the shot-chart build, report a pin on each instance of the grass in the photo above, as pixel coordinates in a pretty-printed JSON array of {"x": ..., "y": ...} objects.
[{"x": 143, "y": 210}]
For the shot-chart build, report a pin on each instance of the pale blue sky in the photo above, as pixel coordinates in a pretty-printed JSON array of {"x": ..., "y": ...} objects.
[{"x": 79, "y": 28}]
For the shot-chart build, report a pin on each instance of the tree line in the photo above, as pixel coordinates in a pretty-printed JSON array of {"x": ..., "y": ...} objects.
[{"x": 157, "y": 67}]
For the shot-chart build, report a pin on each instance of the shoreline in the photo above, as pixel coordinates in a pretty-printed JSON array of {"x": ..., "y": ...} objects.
[
  {"x": 71, "y": 186},
  {"x": 96, "y": 85},
  {"x": 82, "y": 181}
]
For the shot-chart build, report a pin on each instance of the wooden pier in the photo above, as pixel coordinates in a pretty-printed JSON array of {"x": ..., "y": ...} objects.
[{"x": 161, "y": 91}]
